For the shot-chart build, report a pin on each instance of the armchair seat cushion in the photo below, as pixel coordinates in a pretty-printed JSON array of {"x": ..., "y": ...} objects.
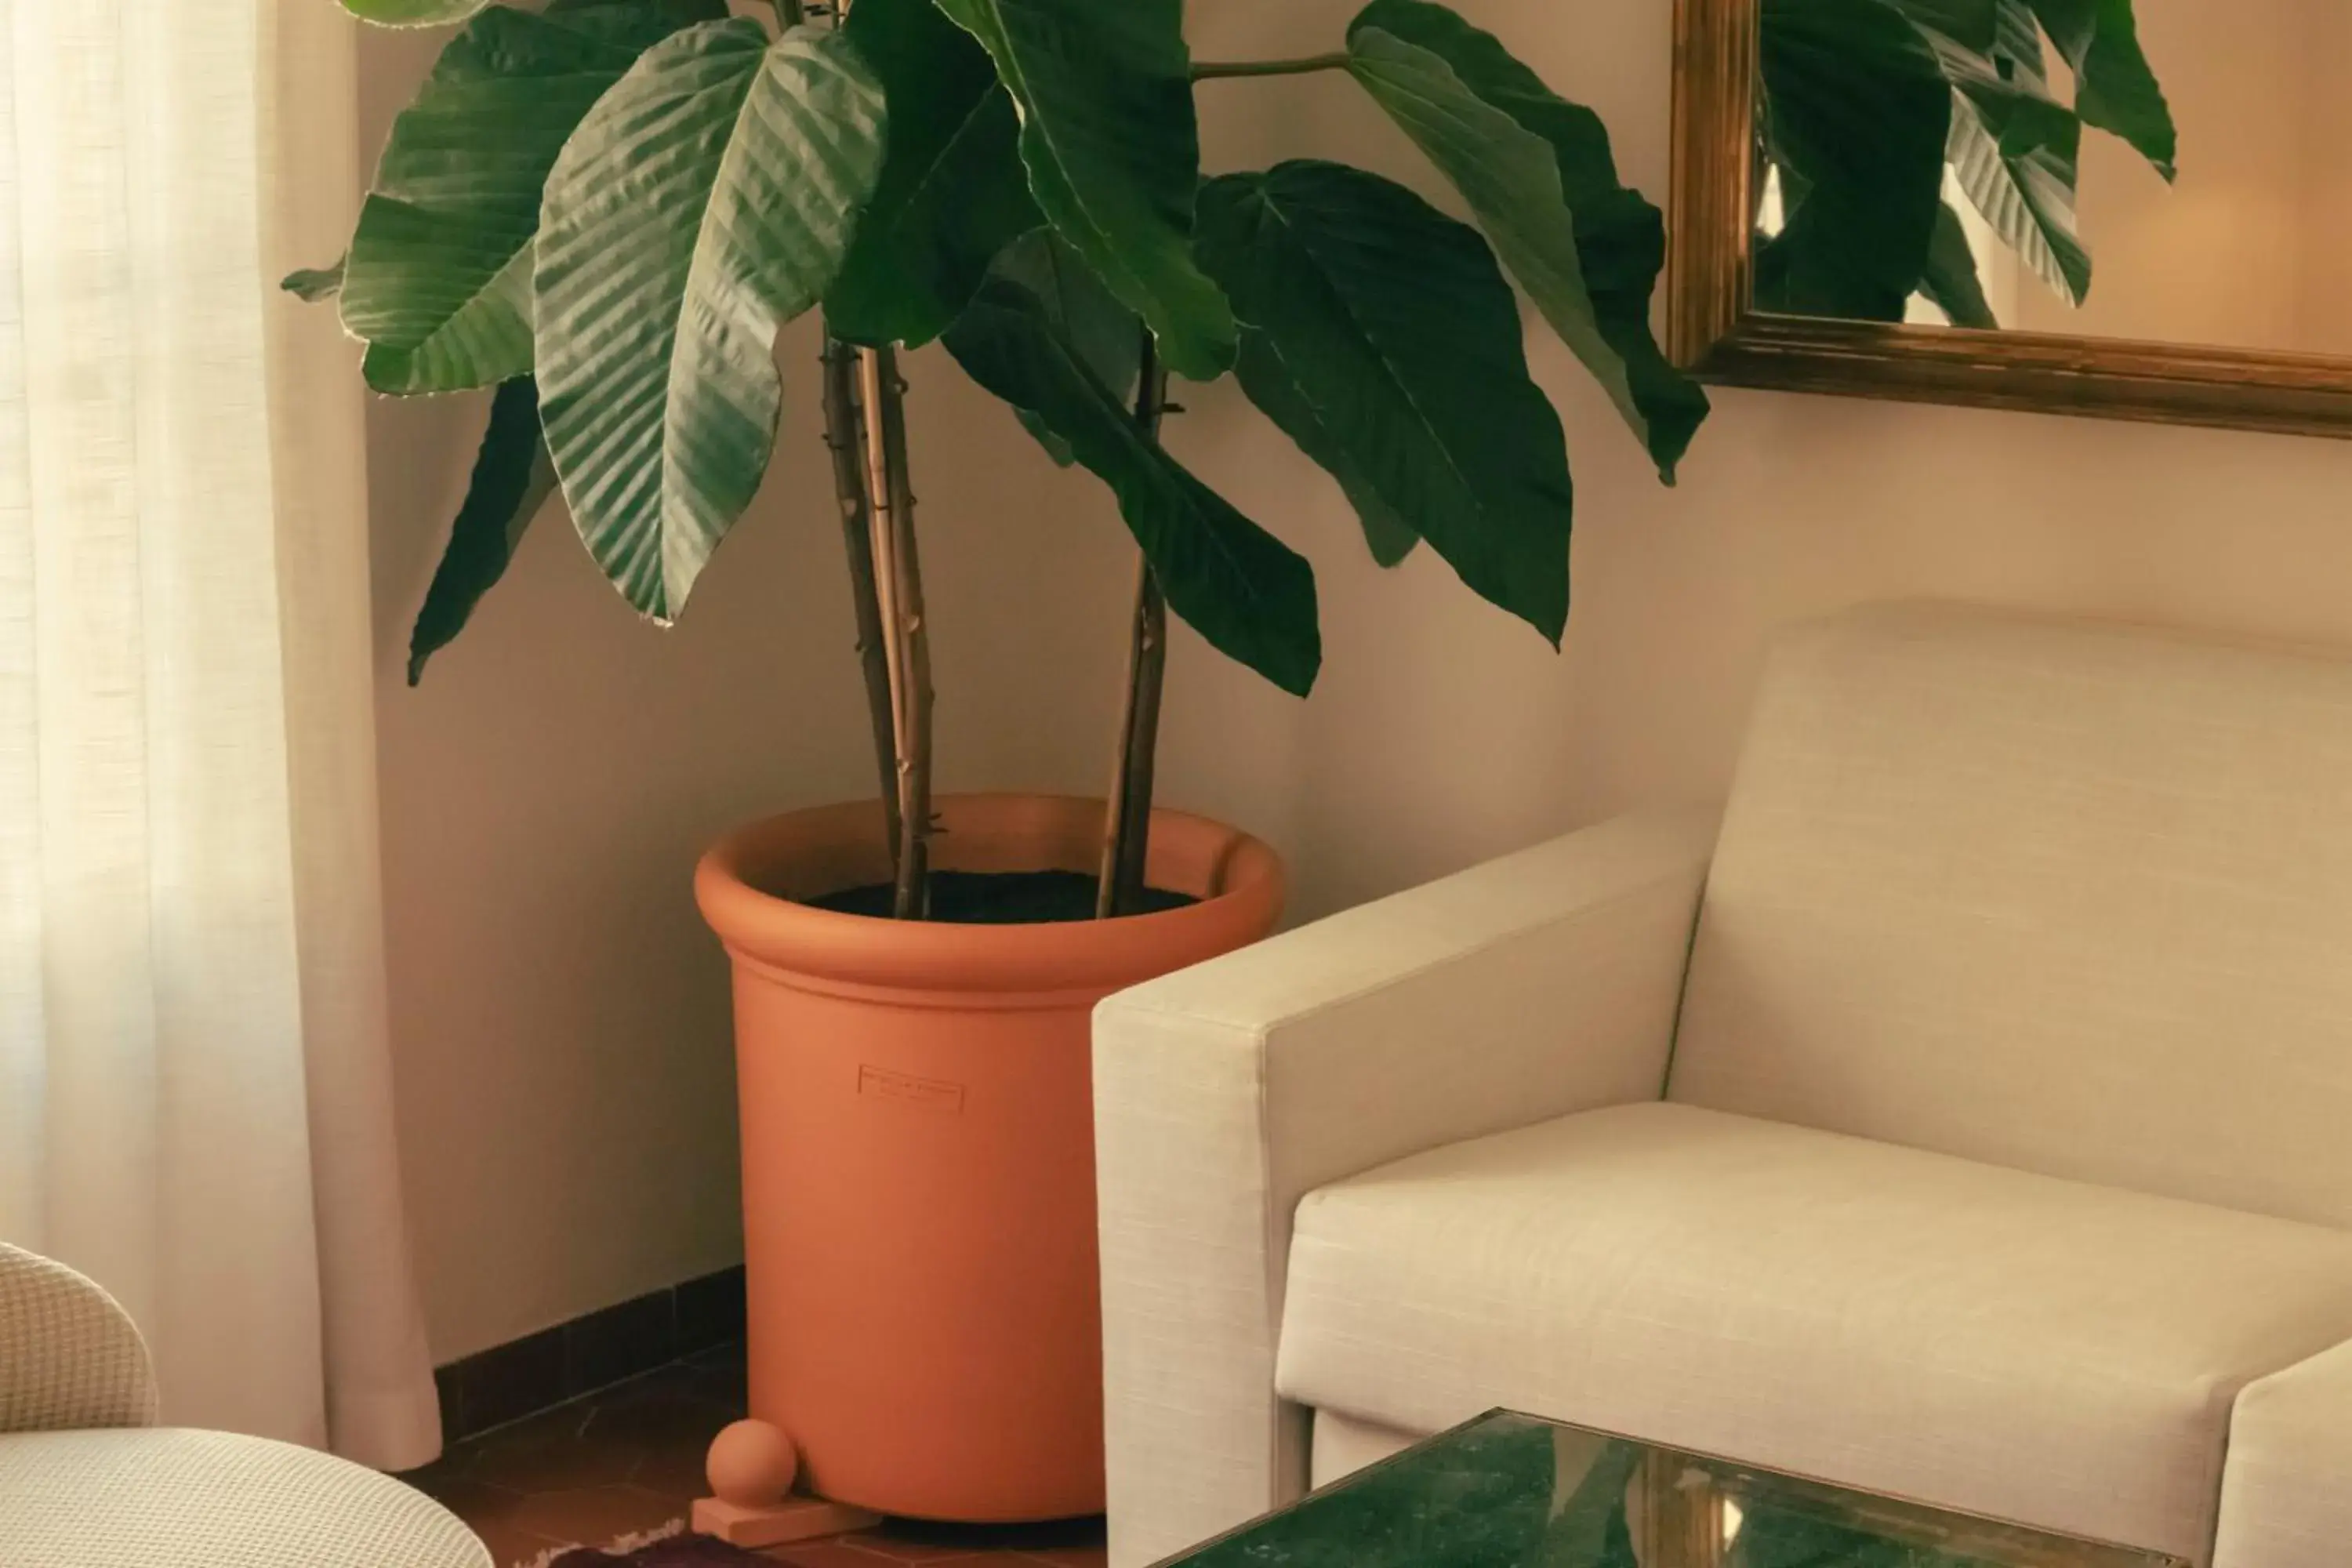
[
  {"x": 141, "y": 1498},
  {"x": 2052, "y": 1353},
  {"x": 2286, "y": 1496}
]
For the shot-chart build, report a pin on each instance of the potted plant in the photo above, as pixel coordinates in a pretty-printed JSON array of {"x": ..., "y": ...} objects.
[{"x": 606, "y": 209}]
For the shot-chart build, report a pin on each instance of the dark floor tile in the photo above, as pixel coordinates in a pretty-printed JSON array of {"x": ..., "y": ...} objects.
[
  {"x": 449, "y": 1387},
  {"x": 604, "y": 1348},
  {"x": 732, "y": 1356},
  {"x": 512, "y": 1381},
  {"x": 710, "y": 1310},
  {"x": 699, "y": 1319},
  {"x": 468, "y": 1497},
  {"x": 550, "y": 1452},
  {"x": 430, "y": 1479},
  {"x": 665, "y": 1420},
  {"x": 717, "y": 1382},
  {"x": 677, "y": 1472}
]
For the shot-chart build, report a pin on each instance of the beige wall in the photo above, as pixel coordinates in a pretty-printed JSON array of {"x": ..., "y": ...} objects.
[{"x": 561, "y": 1018}]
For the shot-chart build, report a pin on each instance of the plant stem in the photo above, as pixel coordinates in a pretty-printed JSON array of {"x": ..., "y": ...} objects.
[
  {"x": 788, "y": 13},
  {"x": 1211, "y": 70},
  {"x": 845, "y": 436},
  {"x": 1127, "y": 825},
  {"x": 899, "y": 583}
]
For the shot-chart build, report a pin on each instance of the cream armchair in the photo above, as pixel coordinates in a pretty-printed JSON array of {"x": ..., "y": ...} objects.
[
  {"x": 1964, "y": 1122},
  {"x": 87, "y": 1481}
]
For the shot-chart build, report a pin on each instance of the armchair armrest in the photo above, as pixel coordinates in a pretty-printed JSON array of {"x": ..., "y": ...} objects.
[
  {"x": 69, "y": 1357},
  {"x": 1533, "y": 986}
]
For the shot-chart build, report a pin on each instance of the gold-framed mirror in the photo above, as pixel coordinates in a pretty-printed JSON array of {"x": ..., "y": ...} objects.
[{"x": 2208, "y": 298}]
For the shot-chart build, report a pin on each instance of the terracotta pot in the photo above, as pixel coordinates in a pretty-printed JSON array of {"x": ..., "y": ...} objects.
[{"x": 918, "y": 1186}]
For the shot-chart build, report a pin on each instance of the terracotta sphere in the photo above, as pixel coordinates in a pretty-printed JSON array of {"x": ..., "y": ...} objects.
[{"x": 752, "y": 1465}]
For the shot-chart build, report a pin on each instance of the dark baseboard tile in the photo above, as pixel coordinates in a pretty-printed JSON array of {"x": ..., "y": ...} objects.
[
  {"x": 709, "y": 1311},
  {"x": 537, "y": 1372}
]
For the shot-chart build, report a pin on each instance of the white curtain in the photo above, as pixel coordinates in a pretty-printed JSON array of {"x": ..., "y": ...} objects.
[{"x": 194, "y": 1082}]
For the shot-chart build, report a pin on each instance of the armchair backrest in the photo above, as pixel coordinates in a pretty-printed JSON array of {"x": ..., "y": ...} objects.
[
  {"x": 69, "y": 1357},
  {"x": 2070, "y": 899}
]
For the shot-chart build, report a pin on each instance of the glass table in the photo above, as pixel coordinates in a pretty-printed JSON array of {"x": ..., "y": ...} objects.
[{"x": 1511, "y": 1491}]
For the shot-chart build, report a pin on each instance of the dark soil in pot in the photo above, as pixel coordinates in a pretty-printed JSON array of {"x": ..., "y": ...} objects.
[{"x": 1000, "y": 899}]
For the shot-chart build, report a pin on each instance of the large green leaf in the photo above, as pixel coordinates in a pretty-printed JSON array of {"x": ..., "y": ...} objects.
[
  {"x": 2013, "y": 148},
  {"x": 1108, "y": 137},
  {"x": 2016, "y": 52},
  {"x": 2116, "y": 89},
  {"x": 953, "y": 194},
  {"x": 1972, "y": 37},
  {"x": 1249, "y": 594},
  {"x": 1970, "y": 24},
  {"x": 1430, "y": 413},
  {"x": 2015, "y": 152},
  {"x": 412, "y": 12},
  {"x": 1951, "y": 281},
  {"x": 1858, "y": 110},
  {"x": 483, "y": 342},
  {"x": 512, "y": 480},
  {"x": 438, "y": 282},
  {"x": 1267, "y": 379},
  {"x": 706, "y": 200},
  {"x": 1811, "y": 267},
  {"x": 1107, "y": 336},
  {"x": 1537, "y": 171}
]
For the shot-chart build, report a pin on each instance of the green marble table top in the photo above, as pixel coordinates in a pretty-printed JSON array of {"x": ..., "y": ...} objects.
[{"x": 1511, "y": 1491}]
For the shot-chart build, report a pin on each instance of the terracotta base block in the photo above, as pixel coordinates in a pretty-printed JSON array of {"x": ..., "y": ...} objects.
[{"x": 795, "y": 1519}]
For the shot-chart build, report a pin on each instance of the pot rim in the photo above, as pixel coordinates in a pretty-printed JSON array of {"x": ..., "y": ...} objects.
[{"x": 797, "y": 942}]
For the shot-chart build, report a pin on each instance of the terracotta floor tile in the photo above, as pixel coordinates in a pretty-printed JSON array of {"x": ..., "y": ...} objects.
[
  {"x": 913, "y": 1551},
  {"x": 674, "y": 1471},
  {"x": 835, "y": 1554},
  {"x": 509, "y": 1545},
  {"x": 469, "y": 1499},
  {"x": 915, "y": 1542},
  {"x": 1096, "y": 1555},
  {"x": 593, "y": 1515}
]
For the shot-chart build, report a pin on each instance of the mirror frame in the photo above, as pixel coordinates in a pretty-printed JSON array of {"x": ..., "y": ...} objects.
[{"x": 1713, "y": 331}]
